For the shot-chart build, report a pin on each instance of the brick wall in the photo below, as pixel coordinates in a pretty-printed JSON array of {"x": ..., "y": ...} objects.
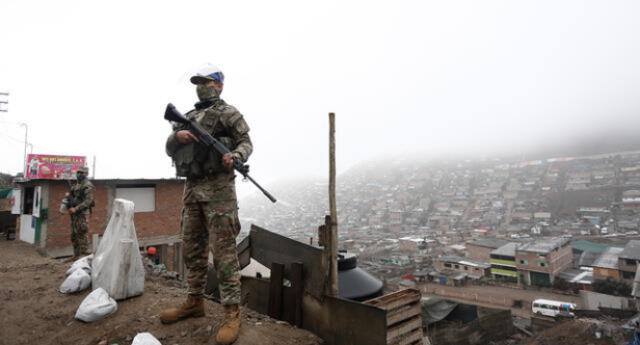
[
  {"x": 164, "y": 221},
  {"x": 482, "y": 254},
  {"x": 58, "y": 225},
  {"x": 556, "y": 261}
]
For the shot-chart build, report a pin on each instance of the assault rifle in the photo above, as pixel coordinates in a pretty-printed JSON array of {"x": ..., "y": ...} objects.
[{"x": 206, "y": 139}]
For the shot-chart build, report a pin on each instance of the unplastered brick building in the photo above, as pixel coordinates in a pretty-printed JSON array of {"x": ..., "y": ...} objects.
[
  {"x": 158, "y": 204},
  {"x": 541, "y": 260}
]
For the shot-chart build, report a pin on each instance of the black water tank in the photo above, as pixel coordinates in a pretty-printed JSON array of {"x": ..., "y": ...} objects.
[{"x": 355, "y": 283}]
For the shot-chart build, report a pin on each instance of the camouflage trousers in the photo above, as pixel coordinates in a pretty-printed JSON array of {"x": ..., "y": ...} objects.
[
  {"x": 79, "y": 231},
  {"x": 206, "y": 228}
]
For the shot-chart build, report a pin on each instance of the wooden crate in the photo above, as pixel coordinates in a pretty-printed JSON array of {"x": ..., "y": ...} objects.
[{"x": 404, "y": 316}]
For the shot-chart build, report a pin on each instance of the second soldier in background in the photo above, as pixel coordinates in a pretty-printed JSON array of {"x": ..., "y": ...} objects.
[
  {"x": 81, "y": 201},
  {"x": 210, "y": 213}
]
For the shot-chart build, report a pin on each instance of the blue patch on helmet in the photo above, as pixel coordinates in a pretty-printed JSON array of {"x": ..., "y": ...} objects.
[{"x": 217, "y": 76}]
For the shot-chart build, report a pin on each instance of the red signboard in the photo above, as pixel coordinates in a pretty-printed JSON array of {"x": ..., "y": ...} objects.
[{"x": 53, "y": 167}]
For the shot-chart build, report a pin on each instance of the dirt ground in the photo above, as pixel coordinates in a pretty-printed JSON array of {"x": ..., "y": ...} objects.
[
  {"x": 582, "y": 332},
  {"x": 33, "y": 312}
]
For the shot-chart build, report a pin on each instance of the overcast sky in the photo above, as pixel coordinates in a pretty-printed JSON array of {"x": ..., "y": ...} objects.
[{"x": 92, "y": 78}]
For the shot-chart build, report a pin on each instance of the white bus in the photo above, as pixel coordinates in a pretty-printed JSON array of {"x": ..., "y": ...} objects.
[{"x": 552, "y": 308}]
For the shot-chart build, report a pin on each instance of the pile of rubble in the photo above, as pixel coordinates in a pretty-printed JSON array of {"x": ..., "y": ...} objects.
[{"x": 582, "y": 332}]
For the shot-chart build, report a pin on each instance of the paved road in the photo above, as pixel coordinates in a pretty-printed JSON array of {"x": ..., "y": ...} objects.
[{"x": 494, "y": 296}]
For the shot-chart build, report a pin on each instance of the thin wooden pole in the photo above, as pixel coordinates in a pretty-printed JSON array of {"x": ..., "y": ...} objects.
[
  {"x": 333, "y": 237},
  {"x": 275, "y": 290}
]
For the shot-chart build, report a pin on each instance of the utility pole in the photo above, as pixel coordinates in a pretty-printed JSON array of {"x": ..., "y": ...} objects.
[
  {"x": 328, "y": 232},
  {"x": 333, "y": 231},
  {"x": 24, "y": 164}
]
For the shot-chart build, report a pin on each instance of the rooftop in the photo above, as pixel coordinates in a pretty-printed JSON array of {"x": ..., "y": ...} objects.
[
  {"x": 608, "y": 258},
  {"x": 587, "y": 258},
  {"x": 464, "y": 261},
  {"x": 508, "y": 249},
  {"x": 543, "y": 245},
  {"x": 587, "y": 246},
  {"x": 494, "y": 243},
  {"x": 573, "y": 275},
  {"x": 631, "y": 250},
  {"x": 414, "y": 239}
]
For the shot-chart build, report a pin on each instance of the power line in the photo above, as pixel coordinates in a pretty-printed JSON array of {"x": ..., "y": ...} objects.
[
  {"x": 20, "y": 141},
  {"x": 12, "y": 138}
]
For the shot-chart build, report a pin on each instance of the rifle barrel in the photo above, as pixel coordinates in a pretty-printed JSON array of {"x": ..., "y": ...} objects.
[{"x": 267, "y": 194}]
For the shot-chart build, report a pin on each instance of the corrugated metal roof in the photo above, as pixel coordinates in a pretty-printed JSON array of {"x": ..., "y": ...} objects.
[
  {"x": 573, "y": 275},
  {"x": 588, "y": 258},
  {"x": 463, "y": 261},
  {"x": 631, "y": 250},
  {"x": 608, "y": 258},
  {"x": 508, "y": 249},
  {"x": 587, "y": 246},
  {"x": 494, "y": 243},
  {"x": 543, "y": 245}
]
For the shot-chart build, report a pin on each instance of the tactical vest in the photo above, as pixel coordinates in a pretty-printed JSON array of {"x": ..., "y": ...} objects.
[
  {"x": 78, "y": 193},
  {"x": 194, "y": 160}
]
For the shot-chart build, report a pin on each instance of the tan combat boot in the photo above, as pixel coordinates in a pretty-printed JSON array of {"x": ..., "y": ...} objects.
[
  {"x": 228, "y": 332},
  {"x": 192, "y": 307}
]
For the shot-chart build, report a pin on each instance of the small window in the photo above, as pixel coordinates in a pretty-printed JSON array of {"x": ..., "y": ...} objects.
[
  {"x": 543, "y": 264},
  {"x": 630, "y": 262},
  {"x": 466, "y": 268},
  {"x": 457, "y": 266},
  {"x": 447, "y": 265},
  {"x": 523, "y": 262},
  {"x": 143, "y": 196},
  {"x": 476, "y": 269}
]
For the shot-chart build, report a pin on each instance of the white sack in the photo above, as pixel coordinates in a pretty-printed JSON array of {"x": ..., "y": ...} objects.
[
  {"x": 96, "y": 306},
  {"x": 117, "y": 264},
  {"x": 145, "y": 339},
  {"x": 84, "y": 263},
  {"x": 76, "y": 281}
]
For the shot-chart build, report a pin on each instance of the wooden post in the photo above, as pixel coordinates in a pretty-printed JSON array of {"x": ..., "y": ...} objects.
[
  {"x": 297, "y": 284},
  {"x": 332, "y": 243},
  {"x": 275, "y": 291}
]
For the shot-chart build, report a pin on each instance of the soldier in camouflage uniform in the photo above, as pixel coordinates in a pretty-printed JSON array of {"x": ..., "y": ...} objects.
[
  {"x": 210, "y": 214},
  {"x": 81, "y": 198}
]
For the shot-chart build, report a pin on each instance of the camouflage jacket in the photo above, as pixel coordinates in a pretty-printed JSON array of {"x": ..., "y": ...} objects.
[
  {"x": 222, "y": 120},
  {"x": 81, "y": 195}
]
